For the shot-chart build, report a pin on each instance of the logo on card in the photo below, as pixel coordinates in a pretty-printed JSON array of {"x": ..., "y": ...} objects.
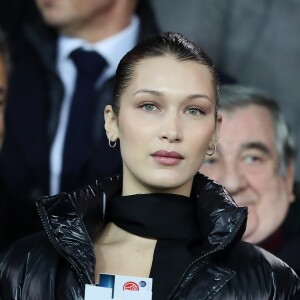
[{"x": 130, "y": 286}]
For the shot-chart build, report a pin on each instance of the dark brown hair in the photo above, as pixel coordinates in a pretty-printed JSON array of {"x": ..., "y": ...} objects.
[{"x": 161, "y": 44}]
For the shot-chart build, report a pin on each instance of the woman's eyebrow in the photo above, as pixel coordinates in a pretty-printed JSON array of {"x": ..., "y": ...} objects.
[
  {"x": 153, "y": 92},
  {"x": 199, "y": 96},
  {"x": 157, "y": 93}
]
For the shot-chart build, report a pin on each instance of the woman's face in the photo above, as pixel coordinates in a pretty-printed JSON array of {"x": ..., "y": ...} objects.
[{"x": 165, "y": 125}]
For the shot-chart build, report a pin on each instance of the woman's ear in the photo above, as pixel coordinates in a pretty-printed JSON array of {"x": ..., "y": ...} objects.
[
  {"x": 212, "y": 146},
  {"x": 111, "y": 124},
  {"x": 217, "y": 129}
]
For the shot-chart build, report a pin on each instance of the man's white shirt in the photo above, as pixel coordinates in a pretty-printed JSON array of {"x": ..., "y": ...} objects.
[{"x": 112, "y": 50}]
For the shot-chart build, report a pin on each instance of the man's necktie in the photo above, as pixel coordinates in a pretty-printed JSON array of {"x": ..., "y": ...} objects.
[{"x": 90, "y": 66}]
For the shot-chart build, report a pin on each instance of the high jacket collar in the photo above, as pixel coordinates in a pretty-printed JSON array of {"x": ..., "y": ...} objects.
[{"x": 73, "y": 220}]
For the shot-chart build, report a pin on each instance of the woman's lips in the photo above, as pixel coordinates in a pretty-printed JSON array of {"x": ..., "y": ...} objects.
[{"x": 167, "y": 158}]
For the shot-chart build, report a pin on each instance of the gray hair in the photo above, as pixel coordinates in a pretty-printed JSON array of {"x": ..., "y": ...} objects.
[
  {"x": 4, "y": 51},
  {"x": 235, "y": 96}
]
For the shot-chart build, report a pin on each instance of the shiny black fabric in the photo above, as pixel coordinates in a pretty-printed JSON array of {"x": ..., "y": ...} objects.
[{"x": 57, "y": 263}]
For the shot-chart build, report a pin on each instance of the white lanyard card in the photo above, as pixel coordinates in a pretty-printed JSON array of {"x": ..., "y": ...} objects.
[{"x": 120, "y": 287}]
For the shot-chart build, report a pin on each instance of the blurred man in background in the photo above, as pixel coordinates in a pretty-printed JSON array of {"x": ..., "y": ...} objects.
[
  {"x": 257, "y": 44},
  {"x": 255, "y": 160},
  {"x": 64, "y": 62}
]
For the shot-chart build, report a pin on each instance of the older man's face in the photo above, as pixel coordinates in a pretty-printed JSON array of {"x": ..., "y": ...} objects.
[
  {"x": 72, "y": 17},
  {"x": 68, "y": 12},
  {"x": 3, "y": 91},
  {"x": 247, "y": 164}
]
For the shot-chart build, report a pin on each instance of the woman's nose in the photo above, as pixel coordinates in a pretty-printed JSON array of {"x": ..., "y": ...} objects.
[{"x": 171, "y": 128}]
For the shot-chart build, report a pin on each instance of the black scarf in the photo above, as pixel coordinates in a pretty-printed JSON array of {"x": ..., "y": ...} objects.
[{"x": 169, "y": 218}]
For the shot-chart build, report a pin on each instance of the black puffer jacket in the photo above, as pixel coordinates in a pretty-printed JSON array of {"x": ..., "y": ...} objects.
[{"x": 57, "y": 264}]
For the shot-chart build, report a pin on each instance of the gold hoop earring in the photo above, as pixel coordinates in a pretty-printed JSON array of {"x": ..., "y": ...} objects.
[
  {"x": 111, "y": 144},
  {"x": 214, "y": 149}
]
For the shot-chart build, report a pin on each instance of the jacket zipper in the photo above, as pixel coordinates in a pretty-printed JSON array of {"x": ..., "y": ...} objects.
[{"x": 203, "y": 256}]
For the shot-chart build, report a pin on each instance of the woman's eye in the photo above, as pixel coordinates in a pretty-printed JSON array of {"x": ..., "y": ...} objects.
[
  {"x": 149, "y": 107},
  {"x": 194, "y": 111}
]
